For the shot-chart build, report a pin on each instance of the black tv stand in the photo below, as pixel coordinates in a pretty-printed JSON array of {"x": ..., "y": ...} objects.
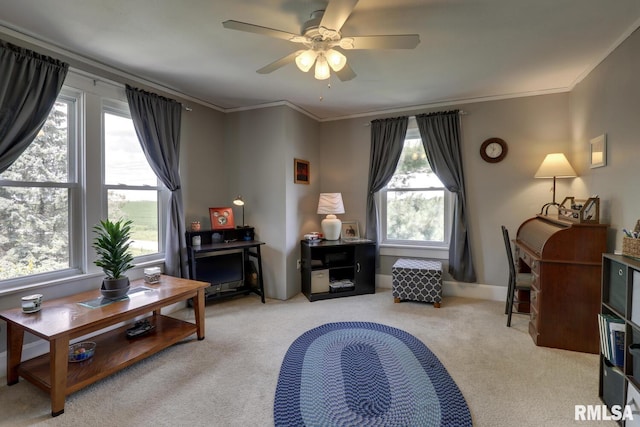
[
  {"x": 340, "y": 268},
  {"x": 237, "y": 249}
]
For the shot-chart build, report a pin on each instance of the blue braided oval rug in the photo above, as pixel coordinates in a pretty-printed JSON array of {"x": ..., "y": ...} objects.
[{"x": 365, "y": 374}]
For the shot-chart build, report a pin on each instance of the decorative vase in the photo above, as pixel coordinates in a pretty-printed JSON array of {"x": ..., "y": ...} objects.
[{"x": 115, "y": 288}]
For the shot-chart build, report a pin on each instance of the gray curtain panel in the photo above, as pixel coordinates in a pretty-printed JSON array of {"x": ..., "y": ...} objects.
[
  {"x": 387, "y": 140},
  {"x": 440, "y": 133},
  {"x": 29, "y": 86},
  {"x": 157, "y": 122}
]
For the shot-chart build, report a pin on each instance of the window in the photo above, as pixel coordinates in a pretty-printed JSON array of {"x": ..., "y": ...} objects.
[
  {"x": 131, "y": 186},
  {"x": 86, "y": 164},
  {"x": 414, "y": 205},
  {"x": 39, "y": 197}
]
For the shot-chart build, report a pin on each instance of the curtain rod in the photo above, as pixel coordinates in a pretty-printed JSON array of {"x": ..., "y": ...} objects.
[
  {"x": 117, "y": 85},
  {"x": 460, "y": 112}
]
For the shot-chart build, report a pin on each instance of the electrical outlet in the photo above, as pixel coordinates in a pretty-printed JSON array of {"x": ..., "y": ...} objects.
[{"x": 298, "y": 264}]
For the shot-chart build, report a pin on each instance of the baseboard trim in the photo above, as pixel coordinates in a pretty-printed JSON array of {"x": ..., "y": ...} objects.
[{"x": 458, "y": 289}]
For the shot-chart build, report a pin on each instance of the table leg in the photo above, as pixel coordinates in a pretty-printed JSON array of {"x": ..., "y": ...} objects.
[
  {"x": 15, "y": 338},
  {"x": 260, "y": 281},
  {"x": 198, "y": 310},
  {"x": 59, "y": 353}
]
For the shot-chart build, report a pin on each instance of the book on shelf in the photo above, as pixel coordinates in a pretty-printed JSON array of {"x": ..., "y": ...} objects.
[
  {"x": 612, "y": 330},
  {"x": 616, "y": 335}
]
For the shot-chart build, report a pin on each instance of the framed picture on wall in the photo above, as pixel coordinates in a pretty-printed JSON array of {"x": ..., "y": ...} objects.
[
  {"x": 221, "y": 218},
  {"x": 301, "y": 171},
  {"x": 599, "y": 151}
]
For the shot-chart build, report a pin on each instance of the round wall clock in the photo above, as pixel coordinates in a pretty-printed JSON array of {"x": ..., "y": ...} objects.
[{"x": 493, "y": 150}]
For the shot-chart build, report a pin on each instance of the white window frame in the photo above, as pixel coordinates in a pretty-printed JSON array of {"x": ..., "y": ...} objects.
[
  {"x": 74, "y": 99},
  {"x": 88, "y": 194},
  {"x": 422, "y": 248},
  {"x": 121, "y": 109}
]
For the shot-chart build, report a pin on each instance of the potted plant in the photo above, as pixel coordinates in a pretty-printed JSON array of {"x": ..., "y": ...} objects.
[{"x": 112, "y": 243}]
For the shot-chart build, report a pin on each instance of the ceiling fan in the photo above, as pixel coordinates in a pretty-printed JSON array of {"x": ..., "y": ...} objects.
[{"x": 323, "y": 41}]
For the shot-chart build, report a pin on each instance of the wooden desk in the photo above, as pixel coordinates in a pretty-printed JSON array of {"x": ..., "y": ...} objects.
[
  {"x": 565, "y": 260},
  {"x": 61, "y": 320}
]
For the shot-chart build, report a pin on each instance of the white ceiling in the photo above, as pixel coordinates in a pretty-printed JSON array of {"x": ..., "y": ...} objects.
[{"x": 469, "y": 49}]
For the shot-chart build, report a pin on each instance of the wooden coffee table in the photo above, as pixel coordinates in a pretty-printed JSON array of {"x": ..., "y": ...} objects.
[{"x": 65, "y": 319}]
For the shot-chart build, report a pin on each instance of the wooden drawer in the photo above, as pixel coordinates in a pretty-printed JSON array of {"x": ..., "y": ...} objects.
[
  {"x": 535, "y": 297},
  {"x": 529, "y": 259},
  {"x": 533, "y": 320}
]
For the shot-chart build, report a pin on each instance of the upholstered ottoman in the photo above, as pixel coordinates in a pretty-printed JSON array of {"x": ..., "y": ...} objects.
[{"x": 417, "y": 280}]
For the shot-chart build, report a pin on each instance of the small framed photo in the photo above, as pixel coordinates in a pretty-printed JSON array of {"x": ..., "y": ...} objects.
[
  {"x": 221, "y": 218},
  {"x": 301, "y": 171},
  {"x": 350, "y": 230},
  {"x": 599, "y": 151}
]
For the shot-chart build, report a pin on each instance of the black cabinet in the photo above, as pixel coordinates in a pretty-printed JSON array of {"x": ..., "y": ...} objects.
[
  {"x": 229, "y": 260},
  {"x": 620, "y": 379},
  {"x": 332, "y": 269}
]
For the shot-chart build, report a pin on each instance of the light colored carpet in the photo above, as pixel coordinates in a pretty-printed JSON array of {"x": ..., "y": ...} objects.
[{"x": 229, "y": 379}]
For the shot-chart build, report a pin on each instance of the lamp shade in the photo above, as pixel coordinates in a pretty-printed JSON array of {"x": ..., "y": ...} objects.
[
  {"x": 322, "y": 68},
  {"x": 336, "y": 60},
  {"x": 331, "y": 204},
  {"x": 305, "y": 60},
  {"x": 239, "y": 202},
  {"x": 555, "y": 165}
]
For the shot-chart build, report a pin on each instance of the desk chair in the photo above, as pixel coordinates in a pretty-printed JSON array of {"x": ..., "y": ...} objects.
[{"x": 517, "y": 281}]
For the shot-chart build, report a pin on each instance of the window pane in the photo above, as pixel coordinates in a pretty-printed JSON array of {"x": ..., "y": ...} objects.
[
  {"x": 47, "y": 157},
  {"x": 140, "y": 206},
  {"x": 413, "y": 170},
  {"x": 125, "y": 163},
  {"x": 35, "y": 237},
  {"x": 415, "y": 215}
]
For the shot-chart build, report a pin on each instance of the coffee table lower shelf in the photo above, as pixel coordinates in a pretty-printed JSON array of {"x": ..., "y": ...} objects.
[{"x": 114, "y": 352}]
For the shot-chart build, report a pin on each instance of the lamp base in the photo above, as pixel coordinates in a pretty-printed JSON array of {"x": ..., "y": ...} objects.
[{"x": 331, "y": 227}]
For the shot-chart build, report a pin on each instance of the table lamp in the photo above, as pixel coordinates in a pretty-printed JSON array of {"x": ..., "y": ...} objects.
[
  {"x": 330, "y": 204},
  {"x": 239, "y": 202},
  {"x": 554, "y": 165}
]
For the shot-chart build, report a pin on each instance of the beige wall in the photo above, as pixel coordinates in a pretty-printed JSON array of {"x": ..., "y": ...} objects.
[
  {"x": 607, "y": 102},
  {"x": 205, "y": 181},
  {"x": 503, "y": 193},
  {"x": 261, "y": 145}
]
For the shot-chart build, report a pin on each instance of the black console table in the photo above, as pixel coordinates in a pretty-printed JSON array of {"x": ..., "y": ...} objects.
[
  {"x": 224, "y": 258},
  {"x": 339, "y": 268}
]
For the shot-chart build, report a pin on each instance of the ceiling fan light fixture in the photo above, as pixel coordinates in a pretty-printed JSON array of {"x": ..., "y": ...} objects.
[
  {"x": 322, "y": 68},
  {"x": 336, "y": 60},
  {"x": 305, "y": 60}
]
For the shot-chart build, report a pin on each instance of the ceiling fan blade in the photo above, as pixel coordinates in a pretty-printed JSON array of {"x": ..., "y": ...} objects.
[
  {"x": 403, "y": 41},
  {"x": 346, "y": 73},
  {"x": 336, "y": 13},
  {"x": 279, "y": 63},
  {"x": 250, "y": 28}
]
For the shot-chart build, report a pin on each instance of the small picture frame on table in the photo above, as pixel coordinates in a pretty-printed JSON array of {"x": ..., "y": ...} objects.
[
  {"x": 350, "y": 230},
  {"x": 301, "y": 171},
  {"x": 221, "y": 218}
]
